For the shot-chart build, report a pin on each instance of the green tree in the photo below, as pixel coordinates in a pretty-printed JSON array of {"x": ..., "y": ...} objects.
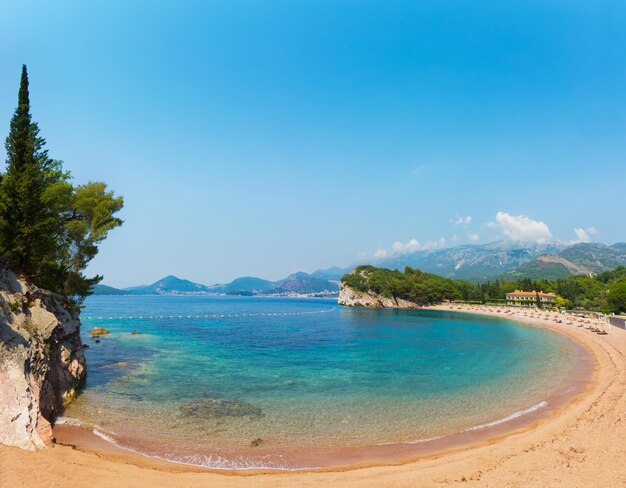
[
  {"x": 49, "y": 228},
  {"x": 561, "y": 302},
  {"x": 616, "y": 297},
  {"x": 86, "y": 214},
  {"x": 94, "y": 210},
  {"x": 26, "y": 225}
]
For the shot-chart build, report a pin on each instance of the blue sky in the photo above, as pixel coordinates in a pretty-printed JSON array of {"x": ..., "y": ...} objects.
[{"x": 262, "y": 138}]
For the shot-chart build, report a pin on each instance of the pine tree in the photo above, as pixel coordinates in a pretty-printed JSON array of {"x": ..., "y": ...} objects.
[{"x": 26, "y": 223}]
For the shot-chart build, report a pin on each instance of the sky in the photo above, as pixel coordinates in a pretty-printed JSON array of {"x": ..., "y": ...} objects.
[{"x": 260, "y": 138}]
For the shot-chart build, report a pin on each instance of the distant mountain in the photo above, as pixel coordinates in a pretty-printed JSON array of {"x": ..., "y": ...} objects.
[
  {"x": 548, "y": 266},
  {"x": 471, "y": 262},
  {"x": 480, "y": 262},
  {"x": 168, "y": 285},
  {"x": 247, "y": 284},
  {"x": 596, "y": 257},
  {"x": 107, "y": 290},
  {"x": 334, "y": 274},
  {"x": 300, "y": 283},
  {"x": 304, "y": 283},
  {"x": 582, "y": 258}
]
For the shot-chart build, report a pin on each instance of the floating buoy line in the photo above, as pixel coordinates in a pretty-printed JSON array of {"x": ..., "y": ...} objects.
[{"x": 206, "y": 316}]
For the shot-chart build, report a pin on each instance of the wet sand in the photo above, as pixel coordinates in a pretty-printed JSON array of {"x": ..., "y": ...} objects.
[{"x": 580, "y": 443}]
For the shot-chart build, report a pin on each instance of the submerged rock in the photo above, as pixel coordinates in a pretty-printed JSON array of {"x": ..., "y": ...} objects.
[
  {"x": 98, "y": 331},
  {"x": 215, "y": 408}
]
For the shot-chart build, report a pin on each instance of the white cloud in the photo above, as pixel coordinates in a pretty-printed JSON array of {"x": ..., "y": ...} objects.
[
  {"x": 403, "y": 248},
  {"x": 465, "y": 221},
  {"x": 473, "y": 237},
  {"x": 491, "y": 225},
  {"x": 434, "y": 244},
  {"x": 523, "y": 228},
  {"x": 584, "y": 235},
  {"x": 380, "y": 253},
  {"x": 398, "y": 248}
]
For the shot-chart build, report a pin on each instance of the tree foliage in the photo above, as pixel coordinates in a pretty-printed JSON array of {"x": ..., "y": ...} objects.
[
  {"x": 616, "y": 296},
  {"x": 605, "y": 292},
  {"x": 413, "y": 284},
  {"x": 50, "y": 228},
  {"x": 26, "y": 223}
]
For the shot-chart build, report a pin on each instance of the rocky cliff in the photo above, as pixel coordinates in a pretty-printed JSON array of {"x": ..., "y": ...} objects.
[
  {"x": 41, "y": 360},
  {"x": 353, "y": 298}
]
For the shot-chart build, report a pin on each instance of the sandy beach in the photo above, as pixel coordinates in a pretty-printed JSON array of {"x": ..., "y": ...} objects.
[{"x": 580, "y": 444}]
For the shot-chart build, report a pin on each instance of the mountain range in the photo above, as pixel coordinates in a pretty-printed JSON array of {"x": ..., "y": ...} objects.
[
  {"x": 513, "y": 260},
  {"x": 479, "y": 262},
  {"x": 297, "y": 283}
]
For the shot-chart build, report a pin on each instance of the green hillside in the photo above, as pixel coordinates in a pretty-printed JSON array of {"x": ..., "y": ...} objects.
[
  {"x": 169, "y": 284},
  {"x": 578, "y": 259},
  {"x": 548, "y": 266},
  {"x": 107, "y": 290},
  {"x": 596, "y": 257},
  {"x": 246, "y": 283},
  {"x": 604, "y": 292},
  {"x": 412, "y": 284}
]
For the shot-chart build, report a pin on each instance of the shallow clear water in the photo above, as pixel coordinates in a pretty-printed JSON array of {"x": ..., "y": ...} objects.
[{"x": 301, "y": 373}]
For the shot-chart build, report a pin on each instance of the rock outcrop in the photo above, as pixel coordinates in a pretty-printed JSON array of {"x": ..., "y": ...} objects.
[
  {"x": 98, "y": 331},
  {"x": 353, "y": 298},
  {"x": 41, "y": 360}
]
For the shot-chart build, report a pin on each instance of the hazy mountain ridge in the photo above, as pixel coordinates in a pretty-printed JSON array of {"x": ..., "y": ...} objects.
[
  {"x": 246, "y": 283},
  {"x": 596, "y": 257},
  {"x": 479, "y": 262},
  {"x": 582, "y": 258},
  {"x": 548, "y": 266},
  {"x": 471, "y": 261},
  {"x": 297, "y": 283},
  {"x": 107, "y": 290},
  {"x": 169, "y": 284}
]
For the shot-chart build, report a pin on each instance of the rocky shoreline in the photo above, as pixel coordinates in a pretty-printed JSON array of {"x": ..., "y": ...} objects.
[
  {"x": 42, "y": 364},
  {"x": 349, "y": 297}
]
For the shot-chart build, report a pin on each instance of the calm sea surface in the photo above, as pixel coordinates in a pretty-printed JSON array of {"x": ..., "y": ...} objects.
[{"x": 198, "y": 379}]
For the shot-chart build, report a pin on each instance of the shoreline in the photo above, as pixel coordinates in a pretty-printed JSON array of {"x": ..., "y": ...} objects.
[
  {"x": 399, "y": 464},
  {"x": 70, "y": 431}
]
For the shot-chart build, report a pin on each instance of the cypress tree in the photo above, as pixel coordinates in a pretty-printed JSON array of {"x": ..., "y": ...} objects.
[{"x": 26, "y": 223}]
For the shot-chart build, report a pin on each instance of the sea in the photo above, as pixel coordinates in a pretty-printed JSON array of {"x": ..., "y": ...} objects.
[{"x": 294, "y": 383}]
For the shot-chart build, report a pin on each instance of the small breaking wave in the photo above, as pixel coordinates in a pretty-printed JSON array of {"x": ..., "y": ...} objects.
[
  {"x": 212, "y": 461},
  {"x": 69, "y": 421},
  {"x": 514, "y": 415},
  {"x": 422, "y": 441},
  {"x": 493, "y": 423}
]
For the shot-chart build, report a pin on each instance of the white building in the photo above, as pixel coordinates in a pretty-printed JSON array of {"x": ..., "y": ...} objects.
[{"x": 529, "y": 298}]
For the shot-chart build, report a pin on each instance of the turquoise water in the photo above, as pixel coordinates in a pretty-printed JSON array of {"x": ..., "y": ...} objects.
[{"x": 205, "y": 376}]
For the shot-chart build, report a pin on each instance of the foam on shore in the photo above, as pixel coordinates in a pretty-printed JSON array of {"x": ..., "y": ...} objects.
[{"x": 241, "y": 463}]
